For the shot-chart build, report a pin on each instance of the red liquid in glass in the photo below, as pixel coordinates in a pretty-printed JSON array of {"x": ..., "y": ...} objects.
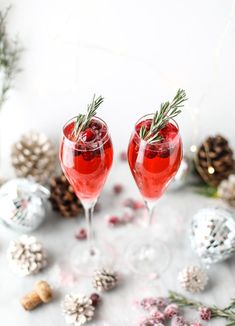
[
  {"x": 86, "y": 162},
  {"x": 154, "y": 165}
]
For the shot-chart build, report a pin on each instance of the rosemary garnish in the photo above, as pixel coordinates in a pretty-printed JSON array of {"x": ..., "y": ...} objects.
[
  {"x": 83, "y": 120},
  {"x": 9, "y": 57},
  {"x": 168, "y": 110}
]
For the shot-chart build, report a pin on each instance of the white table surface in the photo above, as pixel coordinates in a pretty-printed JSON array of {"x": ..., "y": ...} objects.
[{"x": 173, "y": 214}]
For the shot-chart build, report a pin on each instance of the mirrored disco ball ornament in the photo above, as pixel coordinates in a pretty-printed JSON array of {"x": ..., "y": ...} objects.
[
  {"x": 23, "y": 204},
  {"x": 181, "y": 176},
  {"x": 212, "y": 234}
]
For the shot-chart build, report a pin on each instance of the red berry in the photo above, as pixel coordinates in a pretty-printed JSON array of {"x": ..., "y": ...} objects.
[
  {"x": 133, "y": 204},
  {"x": 150, "y": 151},
  {"x": 88, "y": 135},
  {"x": 171, "y": 310},
  {"x": 123, "y": 156},
  {"x": 145, "y": 123},
  {"x": 88, "y": 155},
  {"x": 95, "y": 298},
  {"x": 205, "y": 313},
  {"x": 95, "y": 125},
  {"x": 158, "y": 316},
  {"x": 169, "y": 131},
  {"x": 117, "y": 189},
  {"x": 81, "y": 234},
  {"x": 113, "y": 220}
]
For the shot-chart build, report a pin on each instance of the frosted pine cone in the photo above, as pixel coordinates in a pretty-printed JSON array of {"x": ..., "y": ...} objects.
[
  {"x": 193, "y": 279},
  {"x": 26, "y": 255},
  {"x": 77, "y": 309},
  {"x": 226, "y": 190},
  {"x": 105, "y": 280},
  {"x": 34, "y": 156}
]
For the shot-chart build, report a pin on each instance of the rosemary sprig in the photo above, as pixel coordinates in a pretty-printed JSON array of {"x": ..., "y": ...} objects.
[
  {"x": 9, "y": 57},
  {"x": 83, "y": 120},
  {"x": 227, "y": 313},
  {"x": 168, "y": 110}
]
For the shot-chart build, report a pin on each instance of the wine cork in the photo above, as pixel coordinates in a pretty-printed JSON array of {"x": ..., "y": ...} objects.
[{"x": 42, "y": 293}]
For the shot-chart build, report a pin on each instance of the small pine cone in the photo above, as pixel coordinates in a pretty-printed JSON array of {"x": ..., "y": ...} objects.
[
  {"x": 77, "y": 309},
  {"x": 193, "y": 279},
  {"x": 63, "y": 198},
  {"x": 34, "y": 156},
  {"x": 226, "y": 190},
  {"x": 214, "y": 160},
  {"x": 26, "y": 256},
  {"x": 105, "y": 280}
]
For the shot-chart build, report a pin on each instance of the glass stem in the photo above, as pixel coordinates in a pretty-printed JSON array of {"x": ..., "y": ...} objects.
[
  {"x": 150, "y": 207},
  {"x": 89, "y": 210}
]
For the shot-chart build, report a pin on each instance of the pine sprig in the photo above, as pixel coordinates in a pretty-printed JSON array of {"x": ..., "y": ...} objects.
[
  {"x": 168, "y": 110},
  {"x": 83, "y": 120},
  {"x": 9, "y": 57},
  {"x": 227, "y": 313}
]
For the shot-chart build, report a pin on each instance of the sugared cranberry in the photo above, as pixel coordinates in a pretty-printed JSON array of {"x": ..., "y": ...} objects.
[
  {"x": 169, "y": 131},
  {"x": 113, "y": 220},
  {"x": 123, "y": 156},
  {"x": 81, "y": 234},
  {"x": 95, "y": 298},
  {"x": 164, "y": 150},
  {"x": 150, "y": 151},
  {"x": 205, "y": 313},
  {"x": 171, "y": 310},
  {"x": 145, "y": 123},
  {"x": 118, "y": 188},
  {"x": 95, "y": 125},
  {"x": 88, "y": 156},
  {"x": 88, "y": 135}
]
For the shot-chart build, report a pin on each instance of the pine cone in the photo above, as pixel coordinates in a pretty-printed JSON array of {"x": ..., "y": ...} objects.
[
  {"x": 63, "y": 198},
  {"x": 34, "y": 156},
  {"x": 77, "y": 309},
  {"x": 26, "y": 255},
  {"x": 193, "y": 279},
  {"x": 226, "y": 190},
  {"x": 105, "y": 280},
  {"x": 214, "y": 160}
]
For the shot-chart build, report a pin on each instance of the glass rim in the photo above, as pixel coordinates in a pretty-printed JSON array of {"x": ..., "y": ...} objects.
[
  {"x": 101, "y": 141},
  {"x": 156, "y": 143}
]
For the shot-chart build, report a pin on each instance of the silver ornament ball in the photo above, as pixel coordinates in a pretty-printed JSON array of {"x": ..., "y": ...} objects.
[
  {"x": 212, "y": 234},
  {"x": 23, "y": 204}
]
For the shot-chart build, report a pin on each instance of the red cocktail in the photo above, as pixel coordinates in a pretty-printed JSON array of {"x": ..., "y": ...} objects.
[
  {"x": 86, "y": 162},
  {"x": 154, "y": 165}
]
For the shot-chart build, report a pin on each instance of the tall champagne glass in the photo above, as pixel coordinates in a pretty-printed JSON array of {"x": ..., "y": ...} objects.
[
  {"x": 153, "y": 166},
  {"x": 86, "y": 162}
]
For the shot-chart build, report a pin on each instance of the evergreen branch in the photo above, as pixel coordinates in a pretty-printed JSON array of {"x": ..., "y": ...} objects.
[
  {"x": 168, "y": 110},
  {"x": 83, "y": 120},
  {"x": 9, "y": 57},
  {"x": 227, "y": 313}
]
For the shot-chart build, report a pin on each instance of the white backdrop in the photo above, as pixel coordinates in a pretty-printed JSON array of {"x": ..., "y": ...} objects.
[{"x": 136, "y": 53}]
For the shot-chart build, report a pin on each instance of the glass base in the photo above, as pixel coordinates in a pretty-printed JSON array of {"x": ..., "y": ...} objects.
[
  {"x": 149, "y": 257},
  {"x": 86, "y": 260}
]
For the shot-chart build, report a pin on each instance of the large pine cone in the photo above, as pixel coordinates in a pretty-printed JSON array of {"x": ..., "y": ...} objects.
[
  {"x": 63, "y": 197},
  {"x": 214, "y": 160},
  {"x": 34, "y": 156}
]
